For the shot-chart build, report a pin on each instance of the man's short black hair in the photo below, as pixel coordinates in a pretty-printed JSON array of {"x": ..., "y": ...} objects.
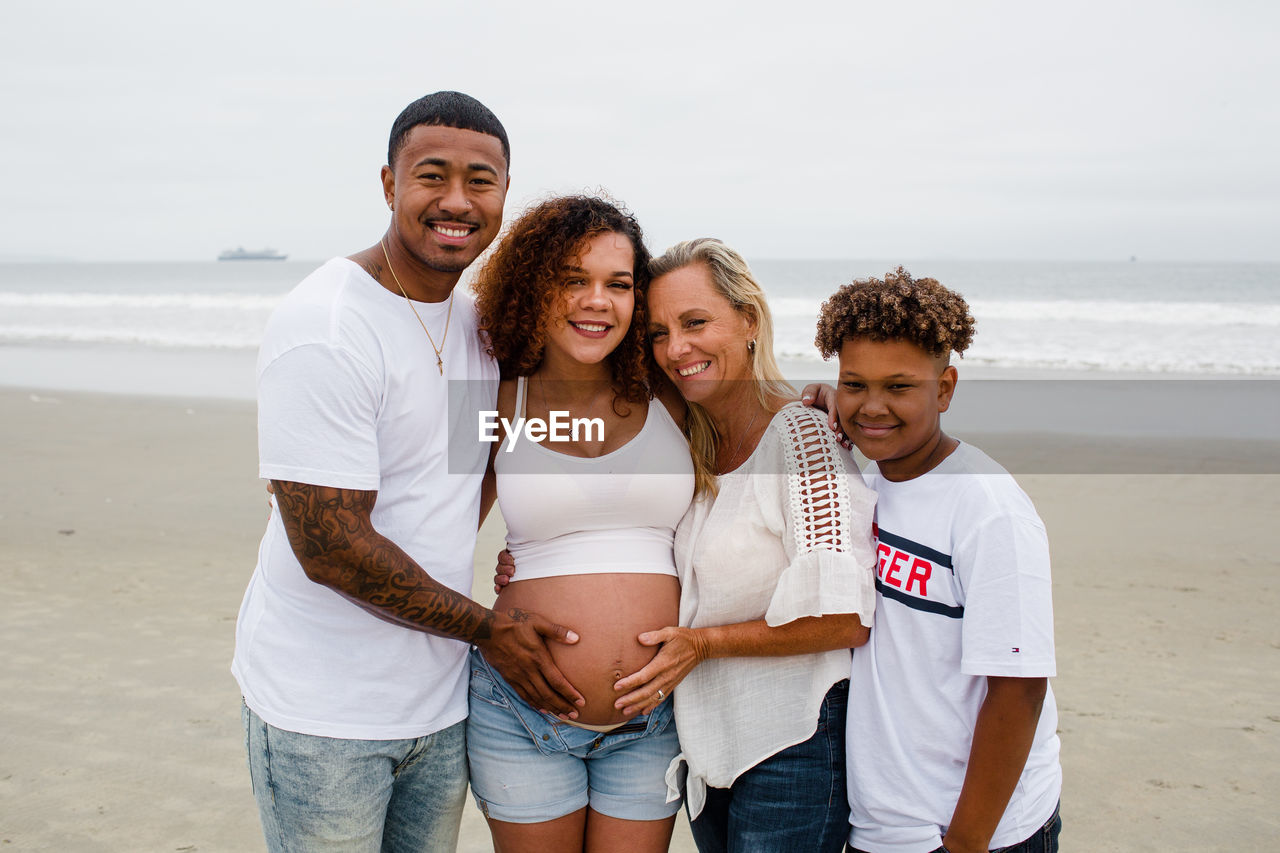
[{"x": 446, "y": 109}]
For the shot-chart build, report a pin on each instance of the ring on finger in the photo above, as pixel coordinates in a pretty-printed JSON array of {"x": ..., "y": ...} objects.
[{"x": 661, "y": 695}]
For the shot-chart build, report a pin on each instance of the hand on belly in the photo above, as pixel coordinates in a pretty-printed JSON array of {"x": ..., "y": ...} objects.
[{"x": 608, "y": 612}]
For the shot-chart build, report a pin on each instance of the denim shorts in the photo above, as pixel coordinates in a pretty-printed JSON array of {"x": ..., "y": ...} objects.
[{"x": 529, "y": 767}]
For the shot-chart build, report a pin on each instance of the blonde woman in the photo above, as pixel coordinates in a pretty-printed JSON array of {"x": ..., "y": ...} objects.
[{"x": 775, "y": 560}]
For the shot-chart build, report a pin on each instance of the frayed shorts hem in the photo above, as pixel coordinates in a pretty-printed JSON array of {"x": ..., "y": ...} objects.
[
  {"x": 539, "y": 813},
  {"x": 614, "y": 807},
  {"x": 631, "y": 809}
]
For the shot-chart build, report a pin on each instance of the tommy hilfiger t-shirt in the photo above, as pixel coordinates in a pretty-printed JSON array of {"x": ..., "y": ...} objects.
[{"x": 963, "y": 592}]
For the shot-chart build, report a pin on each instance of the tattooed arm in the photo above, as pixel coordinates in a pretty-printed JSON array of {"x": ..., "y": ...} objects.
[{"x": 333, "y": 538}]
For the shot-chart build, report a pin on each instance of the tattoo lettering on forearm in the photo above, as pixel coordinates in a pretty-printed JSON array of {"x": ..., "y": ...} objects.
[{"x": 331, "y": 534}]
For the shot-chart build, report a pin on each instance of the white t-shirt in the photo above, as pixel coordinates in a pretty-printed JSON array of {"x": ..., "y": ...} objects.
[
  {"x": 349, "y": 396},
  {"x": 963, "y": 592},
  {"x": 788, "y": 535}
]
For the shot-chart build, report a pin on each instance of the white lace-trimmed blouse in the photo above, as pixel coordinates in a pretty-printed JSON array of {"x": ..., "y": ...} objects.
[{"x": 788, "y": 535}]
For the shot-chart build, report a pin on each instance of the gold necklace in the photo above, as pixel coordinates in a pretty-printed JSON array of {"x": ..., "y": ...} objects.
[
  {"x": 447, "y": 317},
  {"x": 729, "y": 465}
]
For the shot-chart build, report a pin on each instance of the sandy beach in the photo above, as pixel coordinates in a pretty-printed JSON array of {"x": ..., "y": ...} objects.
[{"x": 129, "y": 528}]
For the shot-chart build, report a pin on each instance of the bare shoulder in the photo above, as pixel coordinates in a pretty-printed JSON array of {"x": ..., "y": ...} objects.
[
  {"x": 675, "y": 404},
  {"x": 507, "y": 398}
]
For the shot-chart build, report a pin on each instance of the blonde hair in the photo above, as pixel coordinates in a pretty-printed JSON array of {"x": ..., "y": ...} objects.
[{"x": 732, "y": 278}]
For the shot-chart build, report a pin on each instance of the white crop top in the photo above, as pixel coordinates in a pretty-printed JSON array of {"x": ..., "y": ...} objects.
[{"x": 569, "y": 515}]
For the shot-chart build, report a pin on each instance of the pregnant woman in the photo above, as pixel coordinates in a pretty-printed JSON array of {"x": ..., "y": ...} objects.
[
  {"x": 776, "y": 561},
  {"x": 590, "y": 521}
]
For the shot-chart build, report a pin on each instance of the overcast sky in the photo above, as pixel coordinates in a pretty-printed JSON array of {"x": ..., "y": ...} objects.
[{"x": 1082, "y": 130}]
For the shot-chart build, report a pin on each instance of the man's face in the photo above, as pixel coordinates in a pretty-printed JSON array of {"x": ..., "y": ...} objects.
[{"x": 446, "y": 188}]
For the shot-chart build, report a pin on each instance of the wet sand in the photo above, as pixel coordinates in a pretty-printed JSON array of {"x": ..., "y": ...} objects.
[{"x": 129, "y": 527}]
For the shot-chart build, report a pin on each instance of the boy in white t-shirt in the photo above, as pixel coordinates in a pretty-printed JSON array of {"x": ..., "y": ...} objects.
[{"x": 951, "y": 739}]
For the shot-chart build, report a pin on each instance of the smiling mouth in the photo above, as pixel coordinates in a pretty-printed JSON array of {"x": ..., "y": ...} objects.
[
  {"x": 693, "y": 370},
  {"x": 452, "y": 230},
  {"x": 592, "y": 329},
  {"x": 876, "y": 429}
]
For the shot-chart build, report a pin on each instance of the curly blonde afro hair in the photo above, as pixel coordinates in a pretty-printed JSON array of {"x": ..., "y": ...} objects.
[{"x": 921, "y": 311}]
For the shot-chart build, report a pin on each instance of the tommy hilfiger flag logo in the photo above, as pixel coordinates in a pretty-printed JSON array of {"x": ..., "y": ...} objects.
[{"x": 1016, "y": 650}]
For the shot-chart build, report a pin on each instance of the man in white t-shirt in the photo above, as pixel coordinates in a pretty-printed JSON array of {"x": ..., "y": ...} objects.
[{"x": 352, "y": 638}]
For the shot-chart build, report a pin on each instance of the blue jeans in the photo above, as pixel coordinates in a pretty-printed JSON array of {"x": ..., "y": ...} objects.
[
  {"x": 794, "y": 801},
  {"x": 357, "y": 796},
  {"x": 1043, "y": 840}
]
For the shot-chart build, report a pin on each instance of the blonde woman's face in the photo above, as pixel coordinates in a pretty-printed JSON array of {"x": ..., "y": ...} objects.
[{"x": 699, "y": 338}]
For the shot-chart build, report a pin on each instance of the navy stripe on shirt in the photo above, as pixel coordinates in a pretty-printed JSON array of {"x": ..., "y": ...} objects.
[
  {"x": 902, "y": 543},
  {"x": 954, "y": 611}
]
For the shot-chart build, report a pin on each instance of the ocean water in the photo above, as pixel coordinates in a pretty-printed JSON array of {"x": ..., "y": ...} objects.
[
  {"x": 1133, "y": 317},
  {"x": 1100, "y": 318}
]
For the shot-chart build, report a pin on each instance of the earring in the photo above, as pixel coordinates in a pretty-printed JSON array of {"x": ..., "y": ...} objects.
[
  {"x": 751, "y": 347},
  {"x": 391, "y": 206}
]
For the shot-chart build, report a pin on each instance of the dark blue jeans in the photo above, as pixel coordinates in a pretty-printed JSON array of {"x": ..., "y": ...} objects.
[
  {"x": 1043, "y": 840},
  {"x": 792, "y": 802}
]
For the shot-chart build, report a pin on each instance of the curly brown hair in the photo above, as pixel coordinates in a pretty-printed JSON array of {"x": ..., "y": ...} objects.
[
  {"x": 919, "y": 310},
  {"x": 518, "y": 288}
]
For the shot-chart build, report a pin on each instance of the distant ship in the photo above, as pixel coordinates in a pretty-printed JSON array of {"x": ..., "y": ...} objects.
[{"x": 240, "y": 253}]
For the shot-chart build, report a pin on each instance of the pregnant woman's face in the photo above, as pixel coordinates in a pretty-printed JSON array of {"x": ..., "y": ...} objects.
[
  {"x": 598, "y": 289},
  {"x": 699, "y": 338}
]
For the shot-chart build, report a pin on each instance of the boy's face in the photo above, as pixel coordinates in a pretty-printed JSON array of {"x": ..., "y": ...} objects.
[{"x": 890, "y": 399}]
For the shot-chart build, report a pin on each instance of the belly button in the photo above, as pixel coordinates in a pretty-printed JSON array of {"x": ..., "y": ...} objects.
[{"x": 617, "y": 673}]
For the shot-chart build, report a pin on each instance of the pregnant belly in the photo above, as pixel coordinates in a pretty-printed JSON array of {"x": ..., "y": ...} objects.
[{"x": 608, "y": 611}]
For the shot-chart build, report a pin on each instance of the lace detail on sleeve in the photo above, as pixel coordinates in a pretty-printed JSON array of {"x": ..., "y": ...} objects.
[
  {"x": 827, "y": 533},
  {"x": 817, "y": 483}
]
